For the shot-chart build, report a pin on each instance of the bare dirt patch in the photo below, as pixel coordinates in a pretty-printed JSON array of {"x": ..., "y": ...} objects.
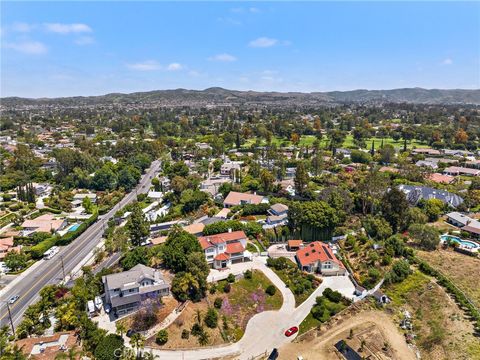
[{"x": 374, "y": 327}]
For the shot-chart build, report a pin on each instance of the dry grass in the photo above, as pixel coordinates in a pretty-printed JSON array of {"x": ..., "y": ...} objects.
[
  {"x": 442, "y": 330},
  {"x": 463, "y": 270}
]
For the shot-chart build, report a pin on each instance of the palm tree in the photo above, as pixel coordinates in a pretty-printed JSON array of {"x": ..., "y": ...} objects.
[
  {"x": 138, "y": 342},
  {"x": 71, "y": 354},
  {"x": 121, "y": 328}
]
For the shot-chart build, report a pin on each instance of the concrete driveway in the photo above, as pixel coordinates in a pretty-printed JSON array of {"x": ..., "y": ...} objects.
[{"x": 264, "y": 331}]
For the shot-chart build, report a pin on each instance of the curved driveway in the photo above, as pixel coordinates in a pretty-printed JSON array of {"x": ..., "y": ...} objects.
[{"x": 264, "y": 331}]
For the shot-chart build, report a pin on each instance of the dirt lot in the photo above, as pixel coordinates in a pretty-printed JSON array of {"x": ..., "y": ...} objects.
[
  {"x": 373, "y": 326},
  {"x": 442, "y": 330},
  {"x": 463, "y": 270}
]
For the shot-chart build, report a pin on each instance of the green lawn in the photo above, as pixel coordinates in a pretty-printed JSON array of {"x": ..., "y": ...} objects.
[
  {"x": 243, "y": 290},
  {"x": 399, "y": 292},
  {"x": 348, "y": 143},
  {"x": 308, "y": 323}
]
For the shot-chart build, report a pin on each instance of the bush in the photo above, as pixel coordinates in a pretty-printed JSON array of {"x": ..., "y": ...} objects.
[
  {"x": 107, "y": 347},
  {"x": 211, "y": 318},
  {"x": 231, "y": 278},
  {"x": 333, "y": 296},
  {"x": 218, "y": 302},
  {"x": 271, "y": 290},
  {"x": 248, "y": 274},
  {"x": 185, "y": 334},
  {"x": 162, "y": 337},
  {"x": 196, "y": 329}
]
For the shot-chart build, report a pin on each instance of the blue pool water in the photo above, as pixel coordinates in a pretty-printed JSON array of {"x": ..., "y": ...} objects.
[
  {"x": 74, "y": 227},
  {"x": 466, "y": 243}
]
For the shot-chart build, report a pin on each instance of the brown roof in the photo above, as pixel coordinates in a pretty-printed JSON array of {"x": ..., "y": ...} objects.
[
  {"x": 235, "y": 198},
  {"x": 440, "y": 178},
  {"x": 471, "y": 229},
  {"x": 316, "y": 251},
  {"x": 194, "y": 228},
  {"x": 295, "y": 243},
  {"x": 388, "y": 169},
  {"x": 7, "y": 241},
  {"x": 158, "y": 240},
  {"x": 30, "y": 345},
  {"x": 43, "y": 223}
]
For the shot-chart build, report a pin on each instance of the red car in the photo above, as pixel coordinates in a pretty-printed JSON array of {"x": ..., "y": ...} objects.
[{"x": 291, "y": 331}]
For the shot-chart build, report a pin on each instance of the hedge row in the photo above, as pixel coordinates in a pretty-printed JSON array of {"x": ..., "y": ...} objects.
[
  {"x": 38, "y": 250},
  {"x": 459, "y": 296}
]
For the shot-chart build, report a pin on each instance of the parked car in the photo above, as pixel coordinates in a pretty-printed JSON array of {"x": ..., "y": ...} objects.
[
  {"x": 291, "y": 331},
  {"x": 273, "y": 354},
  {"x": 13, "y": 299},
  {"x": 130, "y": 333}
]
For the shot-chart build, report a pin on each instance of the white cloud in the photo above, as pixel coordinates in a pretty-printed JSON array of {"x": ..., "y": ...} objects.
[
  {"x": 148, "y": 65},
  {"x": 447, "y": 61},
  {"x": 223, "y": 57},
  {"x": 28, "y": 47},
  {"x": 263, "y": 42},
  {"x": 254, "y": 10},
  {"x": 84, "y": 40},
  {"x": 22, "y": 27},
  {"x": 174, "y": 67},
  {"x": 67, "y": 28}
]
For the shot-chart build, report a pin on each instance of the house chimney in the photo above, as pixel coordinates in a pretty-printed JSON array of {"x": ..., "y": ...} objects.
[{"x": 229, "y": 230}]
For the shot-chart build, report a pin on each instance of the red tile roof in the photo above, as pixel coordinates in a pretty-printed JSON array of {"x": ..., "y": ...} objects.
[
  {"x": 235, "y": 247},
  {"x": 222, "y": 256},
  {"x": 209, "y": 241},
  {"x": 316, "y": 251}
]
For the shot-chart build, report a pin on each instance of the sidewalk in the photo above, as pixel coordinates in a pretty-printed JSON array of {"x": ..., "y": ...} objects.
[{"x": 30, "y": 271}]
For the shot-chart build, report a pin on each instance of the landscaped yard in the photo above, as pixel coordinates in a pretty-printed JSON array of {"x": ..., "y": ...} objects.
[
  {"x": 301, "y": 283},
  {"x": 246, "y": 298},
  {"x": 440, "y": 325},
  {"x": 463, "y": 270}
]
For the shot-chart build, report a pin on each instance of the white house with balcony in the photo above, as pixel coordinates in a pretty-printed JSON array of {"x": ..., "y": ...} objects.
[{"x": 221, "y": 250}]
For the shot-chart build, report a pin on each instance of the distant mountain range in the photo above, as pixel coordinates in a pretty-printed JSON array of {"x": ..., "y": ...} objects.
[{"x": 220, "y": 96}]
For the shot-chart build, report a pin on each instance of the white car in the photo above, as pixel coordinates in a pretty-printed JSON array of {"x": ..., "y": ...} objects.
[{"x": 13, "y": 299}]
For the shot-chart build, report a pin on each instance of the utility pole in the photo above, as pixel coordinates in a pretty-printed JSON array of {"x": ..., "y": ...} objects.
[
  {"x": 10, "y": 317},
  {"x": 63, "y": 267}
]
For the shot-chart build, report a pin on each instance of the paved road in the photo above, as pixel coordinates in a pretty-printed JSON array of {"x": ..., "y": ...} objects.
[
  {"x": 50, "y": 271},
  {"x": 264, "y": 331}
]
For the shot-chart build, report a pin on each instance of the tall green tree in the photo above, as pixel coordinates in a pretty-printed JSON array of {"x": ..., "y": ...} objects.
[
  {"x": 301, "y": 179},
  {"x": 137, "y": 226}
]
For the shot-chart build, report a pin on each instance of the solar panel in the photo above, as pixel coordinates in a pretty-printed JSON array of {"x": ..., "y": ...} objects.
[{"x": 327, "y": 252}]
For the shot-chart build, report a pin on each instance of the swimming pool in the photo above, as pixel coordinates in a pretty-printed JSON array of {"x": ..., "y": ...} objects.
[
  {"x": 74, "y": 227},
  {"x": 469, "y": 244}
]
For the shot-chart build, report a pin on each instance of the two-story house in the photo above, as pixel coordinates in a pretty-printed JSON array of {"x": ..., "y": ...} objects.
[
  {"x": 221, "y": 250},
  {"x": 317, "y": 257},
  {"x": 125, "y": 291},
  {"x": 278, "y": 215}
]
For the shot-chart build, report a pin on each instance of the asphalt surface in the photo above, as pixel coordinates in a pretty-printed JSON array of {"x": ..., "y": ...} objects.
[{"x": 50, "y": 271}]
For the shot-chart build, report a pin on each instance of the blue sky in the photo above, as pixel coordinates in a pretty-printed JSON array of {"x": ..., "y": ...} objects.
[{"x": 91, "y": 48}]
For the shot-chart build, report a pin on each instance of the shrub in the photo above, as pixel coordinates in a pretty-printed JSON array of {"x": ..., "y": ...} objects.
[
  {"x": 185, "y": 334},
  {"x": 196, "y": 329},
  {"x": 211, "y": 318},
  {"x": 333, "y": 296},
  {"x": 107, "y": 346},
  {"x": 248, "y": 274},
  {"x": 231, "y": 278},
  {"x": 271, "y": 290},
  {"x": 162, "y": 337},
  {"x": 218, "y": 302}
]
